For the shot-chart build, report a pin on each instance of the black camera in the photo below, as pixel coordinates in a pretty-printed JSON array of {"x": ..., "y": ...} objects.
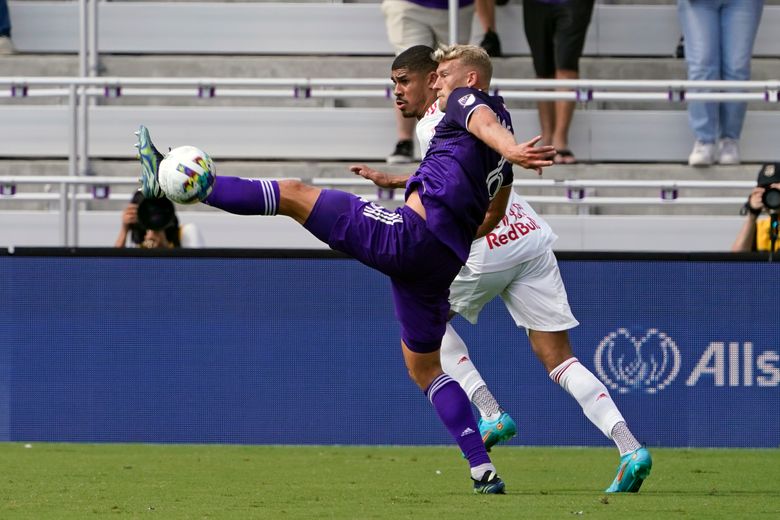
[
  {"x": 768, "y": 175},
  {"x": 156, "y": 214},
  {"x": 771, "y": 199}
]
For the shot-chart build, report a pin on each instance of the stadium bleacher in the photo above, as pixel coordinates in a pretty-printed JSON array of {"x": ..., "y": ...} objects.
[{"x": 286, "y": 137}]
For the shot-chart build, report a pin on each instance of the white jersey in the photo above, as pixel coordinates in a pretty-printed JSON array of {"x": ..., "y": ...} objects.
[
  {"x": 519, "y": 236},
  {"x": 426, "y": 126}
]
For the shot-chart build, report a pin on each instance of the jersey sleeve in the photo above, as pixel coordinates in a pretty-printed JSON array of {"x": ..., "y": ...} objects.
[{"x": 509, "y": 176}]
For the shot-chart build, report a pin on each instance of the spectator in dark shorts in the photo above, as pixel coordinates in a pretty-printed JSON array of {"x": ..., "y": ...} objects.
[
  {"x": 420, "y": 22},
  {"x": 555, "y": 30}
]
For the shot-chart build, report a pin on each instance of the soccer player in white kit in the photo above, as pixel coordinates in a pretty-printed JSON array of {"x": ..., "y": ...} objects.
[{"x": 514, "y": 260}]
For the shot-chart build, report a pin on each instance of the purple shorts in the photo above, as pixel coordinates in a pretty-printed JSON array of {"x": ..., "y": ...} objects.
[{"x": 398, "y": 244}]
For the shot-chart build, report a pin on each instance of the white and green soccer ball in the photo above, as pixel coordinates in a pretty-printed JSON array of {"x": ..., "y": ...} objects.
[{"x": 186, "y": 175}]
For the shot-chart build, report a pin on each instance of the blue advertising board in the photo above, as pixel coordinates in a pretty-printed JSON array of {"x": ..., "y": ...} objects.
[{"x": 260, "y": 350}]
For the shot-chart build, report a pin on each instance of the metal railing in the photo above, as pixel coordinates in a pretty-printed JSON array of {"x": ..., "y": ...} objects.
[
  {"x": 80, "y": 90},
  {"x": 575, "y": 192},
  {"x": 581, "y": 90}
]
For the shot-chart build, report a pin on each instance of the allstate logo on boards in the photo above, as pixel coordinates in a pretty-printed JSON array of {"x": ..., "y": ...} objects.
[{"x": 628, "y": 364}]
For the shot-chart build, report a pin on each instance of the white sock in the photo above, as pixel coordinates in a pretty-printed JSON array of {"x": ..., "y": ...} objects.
[
  {"x": 624, "y": 439},
  {"x": 486, "y": 403},
  {"x": 456, "y": 363},
  {"x": 590, "y": 393},
  {"x": 478, "y": 471}
]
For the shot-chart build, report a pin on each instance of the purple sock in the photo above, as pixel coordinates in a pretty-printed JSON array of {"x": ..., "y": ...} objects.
[
  {"x": 245, "y": 196},
  {"x": 454, "y": 410}
]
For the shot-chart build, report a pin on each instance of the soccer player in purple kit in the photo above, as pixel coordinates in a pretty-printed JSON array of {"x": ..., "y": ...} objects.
[{"x": 422, "y": 245}]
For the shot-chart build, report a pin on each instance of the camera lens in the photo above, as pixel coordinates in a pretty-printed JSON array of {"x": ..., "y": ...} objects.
[
  {"x": 771, "y": 199},
  {"x": 156, "y": 214}
]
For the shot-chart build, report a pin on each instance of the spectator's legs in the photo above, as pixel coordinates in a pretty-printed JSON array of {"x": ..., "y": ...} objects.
[
  {"x": 441, "y": 26},
  {"x": 6, "y": 47},
  {"x": 405, "y": 126},
  {"x": 547, "y": 120},
  {"x": 538, "y": 22},
  {"x": 739, "y": 25},
  {"x": 486, "y": 13},
  {"x": 564, "y": 111},
  {"x": 556, "y": 43},
  {"x": 700, "y": 22},
  {"x": 5, "y": 19}
]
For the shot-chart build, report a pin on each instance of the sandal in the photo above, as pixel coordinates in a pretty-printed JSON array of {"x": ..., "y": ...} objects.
[{"x": 564, "y": 156}]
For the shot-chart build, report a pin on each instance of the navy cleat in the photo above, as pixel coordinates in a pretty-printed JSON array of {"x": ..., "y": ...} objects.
[
  {"x": 150, "y": 163},
  {"x": 489, "y": 484},
  {"x": 633, "y": 469}
]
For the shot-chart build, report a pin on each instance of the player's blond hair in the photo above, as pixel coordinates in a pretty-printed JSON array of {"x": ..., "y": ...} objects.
[{"x": 469, "y": 55}]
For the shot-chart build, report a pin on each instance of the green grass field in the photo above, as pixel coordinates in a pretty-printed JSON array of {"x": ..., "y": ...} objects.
[{"x": 286, "y": 482}]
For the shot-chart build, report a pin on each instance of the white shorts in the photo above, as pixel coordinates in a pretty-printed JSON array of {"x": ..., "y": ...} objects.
[
  {"x": 532, "y": 291},
  {"x": 409, "y": 24}
]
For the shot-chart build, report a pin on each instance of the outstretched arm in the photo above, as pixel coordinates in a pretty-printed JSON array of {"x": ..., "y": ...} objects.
[
  {"x": 484, "y": 124},
  {"x": 381, "y": 179},
  {"x": 495, "y": 212}
]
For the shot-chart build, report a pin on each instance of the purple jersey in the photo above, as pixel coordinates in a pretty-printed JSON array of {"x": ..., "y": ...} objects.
[{"x": 460, "y": 174}]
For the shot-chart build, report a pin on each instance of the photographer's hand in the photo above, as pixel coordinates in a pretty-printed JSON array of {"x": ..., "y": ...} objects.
[
  {"x": 129, "y": 219},
  {"x": 754, "y": 200}
]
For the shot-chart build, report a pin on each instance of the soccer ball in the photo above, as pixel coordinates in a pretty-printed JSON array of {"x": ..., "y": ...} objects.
[{"x": 186, "y": 175}]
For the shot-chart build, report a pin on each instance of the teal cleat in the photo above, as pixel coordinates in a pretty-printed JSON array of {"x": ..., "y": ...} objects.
[
  {"x": 633, "y": 469},
  {"x": 150, "y": 164},
  {"x": 489, "y": 484},
  {"x": 500, "y": 430}
]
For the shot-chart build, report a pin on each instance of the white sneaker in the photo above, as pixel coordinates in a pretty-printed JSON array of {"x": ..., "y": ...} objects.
[
  {"x": 703, "y": 154},
  {"x": 728, "y": 151},
  {"x": 6, "y": 47}
]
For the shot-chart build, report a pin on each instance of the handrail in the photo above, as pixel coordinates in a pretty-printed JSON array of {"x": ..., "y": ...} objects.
[
  {"x": 8, "y": 180},
  {"x": 576, "y": 189},
  {"x": 603, "y": 84},
  {"x": 577, "y": 192},
  {"x": 79, "y": 89},
  {"x": 583, "y": 91}
]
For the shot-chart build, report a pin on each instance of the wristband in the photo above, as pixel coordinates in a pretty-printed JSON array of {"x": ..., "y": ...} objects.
[{"x": 747, "y": 208}]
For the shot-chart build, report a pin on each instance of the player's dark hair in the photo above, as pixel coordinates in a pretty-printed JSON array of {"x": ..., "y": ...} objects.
[{"x": 416, "y": 59}]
